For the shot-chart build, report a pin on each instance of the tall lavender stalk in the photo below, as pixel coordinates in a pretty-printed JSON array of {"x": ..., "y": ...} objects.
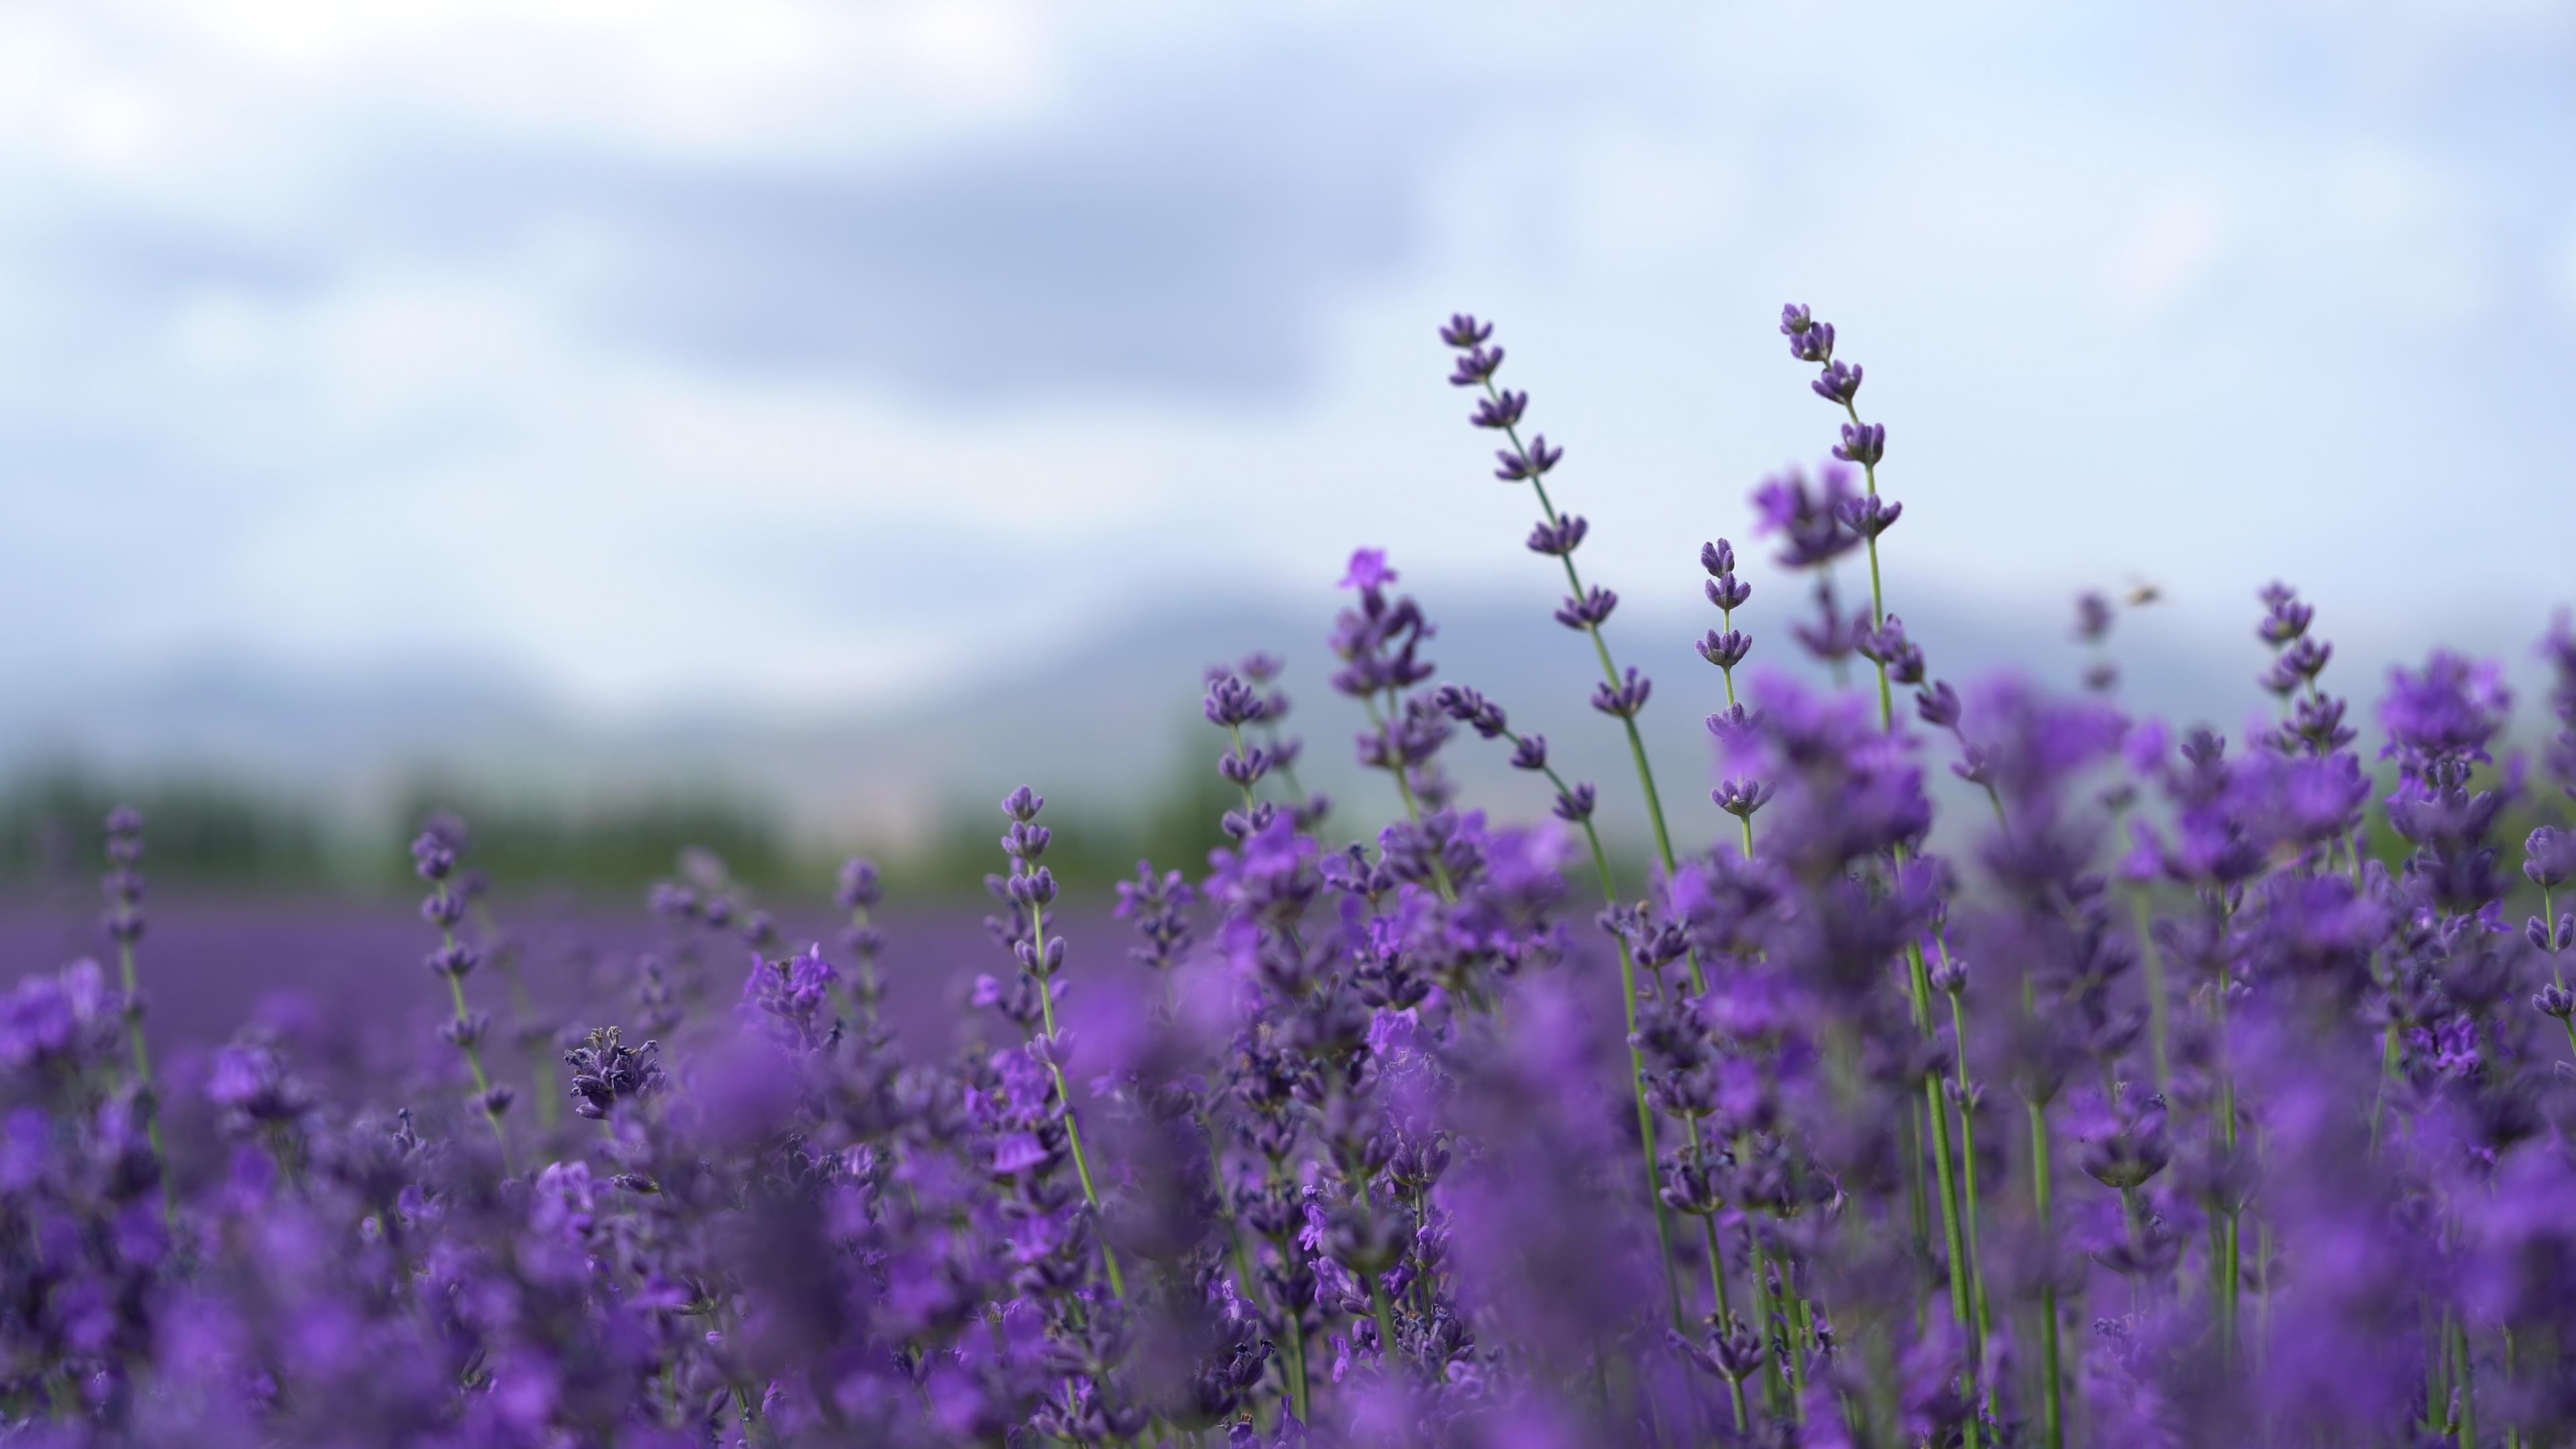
[
  {"x": 434, "y": 858},
  {"x": 123, "y": 886},
  {"x": 1869, "y": 516},
  {"x": 1621, "y": 695},
  {"x": 1379, "y": 644},
  {"x": 1726, "y": 647},
  {"x": 859, "y": 891},
  {"x": 1030, "y": 889}
]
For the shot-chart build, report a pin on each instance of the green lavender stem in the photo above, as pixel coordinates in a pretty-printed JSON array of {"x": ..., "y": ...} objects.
[
  {"x": 2466, "y": 1421},
  {"x": 2229, "y": 1265},
  {"x": 143, "y": 1080},
  {"x": 1726, "y": 619},
  {"x": 1609, "y": 672},
  {"x": 2159, "y": 1029},
  {"x": 2052, "y": 1403},
  {"x": 473, "y": 1050},
  {"x": 1774, "y": 1389},
  {"x": 1072, "y": 1122},
  {"x": 1385, "y": 1320},
  {"x": 1962, "y": 1264},
  {"x": 1968, "y": 1185}
]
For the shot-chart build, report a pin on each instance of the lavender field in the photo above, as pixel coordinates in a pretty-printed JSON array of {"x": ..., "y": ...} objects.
[{"x": 2142, "y": 1082}]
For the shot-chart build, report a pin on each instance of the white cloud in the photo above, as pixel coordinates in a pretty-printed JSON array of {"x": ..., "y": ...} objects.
[{"x": 783, "y": 346}]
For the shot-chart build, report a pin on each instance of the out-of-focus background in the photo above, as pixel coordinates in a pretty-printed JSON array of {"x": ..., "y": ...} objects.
[{"x": 785, "y": 425}]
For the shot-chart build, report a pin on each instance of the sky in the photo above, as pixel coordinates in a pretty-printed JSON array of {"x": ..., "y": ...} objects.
[{"x": 796, "y": 354}]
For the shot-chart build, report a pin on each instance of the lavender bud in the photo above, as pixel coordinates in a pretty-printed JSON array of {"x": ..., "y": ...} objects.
[
  {"x": 1839, "y": 384},
  {"x": 1574, "y": 805},
  {"x": 1023, "y": 804},
  {"x": 2092, "y": 617},
  {"x": 1464, "y": 331},
  {"x": 2285, "y": 618},
  {"x": 1589, "y": 612},
  {"x": 1863, "y": 443},
  {"x": 1624, "y": 701},
  {"x": 1531, "y": 462},
  {"x": 2549, "y": 857},
  {"x": 1471, "y": 707},
  {"x": 1725, "y": 650},
  {"x": 1868, "y": 515},
  {"x": 1500, "y": 411},
  {"x": 1231, "y": 702},
  {"x": 1740, "y": 798},
  {"x": 2545, "y": 937},
  {"x": 1476, "y": 366},
  {"x": 1559, "y": 538},
  {"x": 431, "y": 857},
  {"x": 859, "y": 886},
  {"x": 1727, "y": 591},
  {"x": 1530, "y": 753}
]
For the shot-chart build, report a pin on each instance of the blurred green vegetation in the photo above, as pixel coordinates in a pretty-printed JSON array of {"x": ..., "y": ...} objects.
[
  {"x": 209, "y": 834},
  {"x": 52, "y": 831}
]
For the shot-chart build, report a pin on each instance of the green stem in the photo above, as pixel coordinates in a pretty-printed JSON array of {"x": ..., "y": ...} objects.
[
  {"x": 2467, "y": 1422},
  {"x": 1385, "y": 1320},
  {"x": 473, "y": 1051},
  {"x": 2158, "y": 1028},
  {"x": 1249, "y": 803},
  {"x": 2512, "y": 1431},
  {"x": 2549, "y": 927},
  {"x": 2229, "y": 1265},
  {"x": 2437, "y": 1393},
  {"x": 1609, "y": 672},
  {"x": 1072, "y": 1123},
  {"x": 1708, "y": 1224},
  {"x": 1773, "y": 1388},
  {"x": 143, "y": 1079},
  {"x": 2052, "y": 1404},
  {"x": 1968, "y": 1172},
  {"x": 1961, "y": 1266}
]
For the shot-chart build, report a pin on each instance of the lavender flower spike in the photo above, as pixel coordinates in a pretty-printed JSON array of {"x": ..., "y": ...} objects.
[{"x": 1585, "y": 609}]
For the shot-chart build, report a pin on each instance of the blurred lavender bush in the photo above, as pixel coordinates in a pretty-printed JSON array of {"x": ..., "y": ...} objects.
[{"x": 2161, "y": 1109}]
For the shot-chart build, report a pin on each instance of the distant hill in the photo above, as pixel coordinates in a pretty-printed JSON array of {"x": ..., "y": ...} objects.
[{"x": 1102, "y": 727}]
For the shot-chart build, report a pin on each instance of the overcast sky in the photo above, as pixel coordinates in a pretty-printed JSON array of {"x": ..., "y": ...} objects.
[{"x": 798, "y": 350}]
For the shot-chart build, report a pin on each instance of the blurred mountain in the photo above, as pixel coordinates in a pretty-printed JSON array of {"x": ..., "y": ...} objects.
[{"x": 1105, "y": 728}]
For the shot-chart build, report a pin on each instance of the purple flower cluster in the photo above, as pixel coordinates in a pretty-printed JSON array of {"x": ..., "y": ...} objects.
[{"x": 2186, "y": 1090}]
